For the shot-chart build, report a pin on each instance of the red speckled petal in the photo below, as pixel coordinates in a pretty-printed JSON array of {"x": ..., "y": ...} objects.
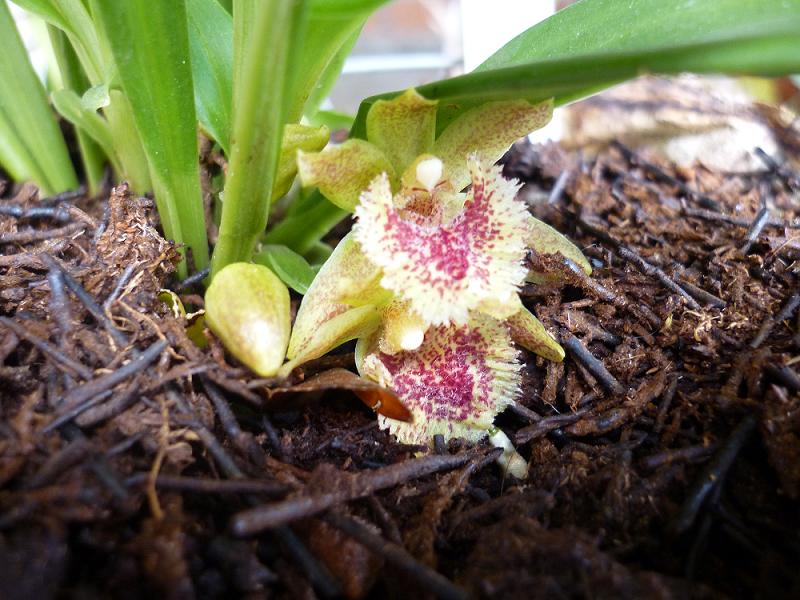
[
  {"x": 446, "y": 268},
  {"x": 454, "y": 384}
]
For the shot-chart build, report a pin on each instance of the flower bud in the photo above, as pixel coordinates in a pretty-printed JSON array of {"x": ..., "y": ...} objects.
[{"x": 247, "y": 307}]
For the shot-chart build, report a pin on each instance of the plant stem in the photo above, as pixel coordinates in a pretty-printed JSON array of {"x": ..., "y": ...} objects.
[{"x": 263, "y": 32}]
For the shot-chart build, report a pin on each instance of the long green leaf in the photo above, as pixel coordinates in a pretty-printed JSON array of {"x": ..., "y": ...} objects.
[
  {"x": 150, "y": 45},
  {"x": 88, "y": 122},
  {"x": 302, "y": 229},
  {"x": 32, "y": 145},
  {"x": 596, "y": 26},
  {"x": 597, "y": 43},
  {"x": 321, "y": 89},
  {"x": 333, "y": 26},
  {"x": 264, "y": 31},
  {"x": 73, "y": 77},
  {"x": 94, "y": 54},
  {"x": 211, "y": 46},
  {"x": 73, "y": 18}
]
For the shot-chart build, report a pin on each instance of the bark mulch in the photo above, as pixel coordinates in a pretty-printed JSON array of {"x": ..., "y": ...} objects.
[{"x": 664, "y": 451}]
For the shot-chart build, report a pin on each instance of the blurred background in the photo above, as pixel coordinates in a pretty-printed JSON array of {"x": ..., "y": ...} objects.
[{"x": 410, "y": 42}]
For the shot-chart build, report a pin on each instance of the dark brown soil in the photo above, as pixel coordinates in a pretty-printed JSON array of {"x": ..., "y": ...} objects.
[{"x": 664, "y": 451}]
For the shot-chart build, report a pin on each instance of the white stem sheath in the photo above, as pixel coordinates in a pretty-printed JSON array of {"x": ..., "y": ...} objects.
[{"x": 510, "y": 460}]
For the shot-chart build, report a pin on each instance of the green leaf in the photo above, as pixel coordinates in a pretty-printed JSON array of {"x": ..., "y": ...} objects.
[
  {"x": 31, "y": 144},
  {"x": 72, "y": 17},
  {"x": 597, "y": 26},
  {"x": 264, "y": 31},
  {"x": 150, "y": 45},
  {"x": 211, "y": 46},
  {"x": 89, "y": 122},
  {"x": 333, "y": 120},
  {"x": 73, "y": 77},
  {"x": 96, "y": 97},
  {"x": 597, "y": 43},
  {"x": 333, "y": 26},
  {"x": 95, "y": 56},
  {"x": 301, "y": 230},
  {"x": 292, "y": 268},
  {"x": 320, "y": 89}
]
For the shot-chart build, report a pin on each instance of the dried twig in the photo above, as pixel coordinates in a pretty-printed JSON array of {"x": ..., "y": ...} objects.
[
  {"x": 559, "y": 187},
  {"x": 349, "y": 487},
  {"x": 594, "y": 366},
  {"x": 643, "y": 265},
  {"x": 259, "y": 487},
  {"x": 55, "y": 213},
  {"x": 713, "y": 474},
  {"x": 192, "y": 279},
  {"x": 702, "y": 295},
  {"x": 244, "y": 441},
  {"x": 105, "y": 382},
  {"x": 664, "y": 177},
  {"x": 64, "y": 362},
  {"x": 688, "y": 454},
  {"x": 428, "y": 579},
  {"x": 545, "y": 425},
  {"x": 37, "y": 235},
  {"x": 755, "y": 229},
  {"x": 86, "y": 299},
  {"x": 766, "y": 327}
]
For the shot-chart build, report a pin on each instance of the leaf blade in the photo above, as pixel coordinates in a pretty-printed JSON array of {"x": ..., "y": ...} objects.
[
  {"x": 211, "y": 47},
  {"x": 292, "y": 268},
  {"x": 750, "y": 38},
  {"x": 150, "y": 45},
  {"x": 33, "y": 146}
]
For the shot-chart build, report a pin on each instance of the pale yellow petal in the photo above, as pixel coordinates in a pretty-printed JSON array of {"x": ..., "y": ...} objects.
[
  {"x": 341, "y": 173},
  {"x": 347, "y": 279},
  {"x": 544, "y": 239},
  {"x": 403, "y": 127},
  {"x": 351, "y": 324},
  {"x": 528, "y": 332},
  {"x": 296, "y": 137},
  {"x": 489, "y": 130}
]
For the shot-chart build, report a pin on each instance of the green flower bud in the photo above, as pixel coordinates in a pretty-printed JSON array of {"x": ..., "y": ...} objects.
[{"x": 247, "y": 307}]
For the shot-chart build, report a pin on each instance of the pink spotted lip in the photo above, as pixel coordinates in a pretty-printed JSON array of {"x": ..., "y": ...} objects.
[
  {"x": 454, "y": 384},
  {"x": 445, "y": 268}
]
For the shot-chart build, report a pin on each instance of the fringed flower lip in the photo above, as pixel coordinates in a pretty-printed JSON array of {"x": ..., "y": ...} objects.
[
  {"x": 446, "y": 267},
  {"x": 454, "y": 384}
]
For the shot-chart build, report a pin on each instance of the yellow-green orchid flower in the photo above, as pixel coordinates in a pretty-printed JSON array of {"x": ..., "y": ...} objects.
[{"x": 428, "y": 278}]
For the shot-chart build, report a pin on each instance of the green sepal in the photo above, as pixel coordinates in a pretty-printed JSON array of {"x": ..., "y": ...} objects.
[{"x": 528, "y": 331}]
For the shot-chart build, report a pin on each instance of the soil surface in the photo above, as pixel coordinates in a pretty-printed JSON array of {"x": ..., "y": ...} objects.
[{"x": 664, "y": 451}]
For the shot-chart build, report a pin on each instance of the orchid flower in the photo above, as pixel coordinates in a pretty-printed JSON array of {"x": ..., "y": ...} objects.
[{"x": 427, "y": 280}]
